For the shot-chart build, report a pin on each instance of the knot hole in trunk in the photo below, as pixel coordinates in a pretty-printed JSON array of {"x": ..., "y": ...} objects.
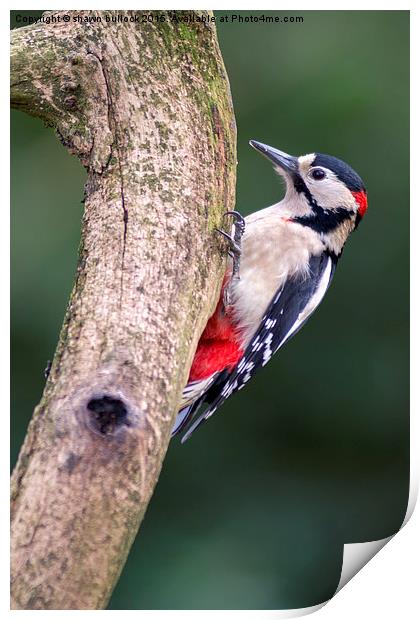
[{"x": 107, "y": 414}]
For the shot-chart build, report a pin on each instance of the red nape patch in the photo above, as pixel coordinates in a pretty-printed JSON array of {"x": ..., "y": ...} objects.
[
  {"x": 361, "y": 199},
  {"x": 218, "y": 347}
]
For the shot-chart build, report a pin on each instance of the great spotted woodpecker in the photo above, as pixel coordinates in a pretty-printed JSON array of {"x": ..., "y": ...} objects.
[{"x": 288, "y": 254}]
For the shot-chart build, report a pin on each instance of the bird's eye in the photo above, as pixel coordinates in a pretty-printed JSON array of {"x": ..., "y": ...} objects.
[{"x": 317, "y": 174}]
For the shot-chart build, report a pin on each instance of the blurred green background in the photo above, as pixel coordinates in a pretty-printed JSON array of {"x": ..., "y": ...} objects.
[{"x": 254, "y": 510}]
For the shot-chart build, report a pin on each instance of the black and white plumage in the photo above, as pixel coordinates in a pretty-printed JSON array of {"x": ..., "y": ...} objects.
[{"x": 289, "y": 256}]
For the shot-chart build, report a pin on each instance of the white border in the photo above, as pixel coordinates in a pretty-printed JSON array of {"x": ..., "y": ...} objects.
[{"x": 387, "y": 586}]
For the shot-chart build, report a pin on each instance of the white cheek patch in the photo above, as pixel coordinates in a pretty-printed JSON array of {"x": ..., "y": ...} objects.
[{"x": 330, "y": 193}]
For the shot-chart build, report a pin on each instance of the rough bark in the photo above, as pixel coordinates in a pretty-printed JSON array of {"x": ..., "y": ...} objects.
[{"x": 147, "y": 109}]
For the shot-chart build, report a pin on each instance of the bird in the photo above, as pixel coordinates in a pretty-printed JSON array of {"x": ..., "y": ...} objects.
[{"x": 282, "y": 261}]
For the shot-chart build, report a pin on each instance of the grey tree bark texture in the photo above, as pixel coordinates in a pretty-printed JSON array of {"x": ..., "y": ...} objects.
[{"x": 147, "y": 109}]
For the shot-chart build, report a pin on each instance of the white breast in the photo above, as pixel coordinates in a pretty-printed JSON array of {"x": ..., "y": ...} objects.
[{"x": 273, "y": 249}]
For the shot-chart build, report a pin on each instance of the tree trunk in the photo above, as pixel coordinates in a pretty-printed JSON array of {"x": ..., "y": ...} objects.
[{"x": 146, "y": 107}]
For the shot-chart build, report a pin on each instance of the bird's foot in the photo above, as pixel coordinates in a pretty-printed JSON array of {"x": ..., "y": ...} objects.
[
  {"x": 235, "y": 240},
  {"x": 234, "y": 252}
]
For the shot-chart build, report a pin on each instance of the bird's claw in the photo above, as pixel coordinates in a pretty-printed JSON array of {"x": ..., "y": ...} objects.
[
  {"x": 239, "y": 221},
  {"x": 235, "y": 239},
  {"x": 234, "y": 249}
]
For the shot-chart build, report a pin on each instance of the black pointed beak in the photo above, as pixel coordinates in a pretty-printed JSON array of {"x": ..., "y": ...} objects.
[{"x": 286, "y": 162}]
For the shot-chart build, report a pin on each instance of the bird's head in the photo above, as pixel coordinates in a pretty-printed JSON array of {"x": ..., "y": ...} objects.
[{"x": 322, "y": 192}]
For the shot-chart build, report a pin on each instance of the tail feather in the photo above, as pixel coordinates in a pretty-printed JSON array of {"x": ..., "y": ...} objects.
[
  {"x": 184, "y": 416},
  {"x": 203, "y": 392}
]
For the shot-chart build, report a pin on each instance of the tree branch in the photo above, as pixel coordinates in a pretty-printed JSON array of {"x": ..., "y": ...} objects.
[{"x": 147, "y": 109}]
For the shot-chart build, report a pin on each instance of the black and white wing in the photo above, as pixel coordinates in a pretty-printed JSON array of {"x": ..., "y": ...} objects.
[{"x": 288, "y": 311}]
